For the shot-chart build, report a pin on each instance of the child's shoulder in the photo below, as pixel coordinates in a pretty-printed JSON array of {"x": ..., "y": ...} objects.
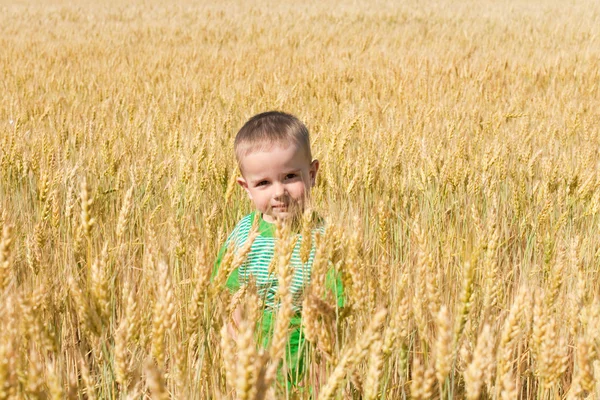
[
  {"x": 247, "y": 221},
  {"x": 244, "y": 225}
]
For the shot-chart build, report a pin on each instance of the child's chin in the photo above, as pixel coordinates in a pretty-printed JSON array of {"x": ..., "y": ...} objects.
[{"x": 283, "y": 215}]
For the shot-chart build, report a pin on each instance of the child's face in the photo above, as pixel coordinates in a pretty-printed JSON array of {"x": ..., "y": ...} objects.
[{"x": 278, "y": 180}]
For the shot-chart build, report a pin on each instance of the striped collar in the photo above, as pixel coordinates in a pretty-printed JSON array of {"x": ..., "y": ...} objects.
[{"x": 267, "y": 229}]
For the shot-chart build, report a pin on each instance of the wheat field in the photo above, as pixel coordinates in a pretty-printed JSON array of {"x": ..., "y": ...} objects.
[{"x": 459, "y": 145}]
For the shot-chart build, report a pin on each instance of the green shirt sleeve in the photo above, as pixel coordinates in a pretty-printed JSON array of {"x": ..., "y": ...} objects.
[
  {"x": 233, "y": 281},
  {"x": 333, "y": 283},
  {"x": 237, "y": 236}
]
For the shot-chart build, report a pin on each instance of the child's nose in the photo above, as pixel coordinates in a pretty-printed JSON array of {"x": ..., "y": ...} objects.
[{"x": 279, "y": 189}]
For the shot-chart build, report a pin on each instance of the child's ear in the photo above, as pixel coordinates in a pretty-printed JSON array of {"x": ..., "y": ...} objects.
[
  {"x": 242, "y": 182},
  {"x": 314, "y": 168}
]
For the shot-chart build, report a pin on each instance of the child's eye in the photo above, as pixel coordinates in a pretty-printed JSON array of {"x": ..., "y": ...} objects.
[
  {"x": 290, "y": 176},
  {"x": 261, "y": 183}
]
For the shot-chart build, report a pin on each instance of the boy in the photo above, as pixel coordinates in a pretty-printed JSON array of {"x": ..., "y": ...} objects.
[{"x": 273, "y": 153}]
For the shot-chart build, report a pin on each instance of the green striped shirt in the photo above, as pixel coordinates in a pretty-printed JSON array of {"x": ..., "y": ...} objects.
[
  {"x": 257, "y": 265},
  {"x": 260, "y": 258}
]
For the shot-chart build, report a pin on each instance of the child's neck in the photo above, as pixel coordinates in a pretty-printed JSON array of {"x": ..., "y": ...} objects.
[{"x": 296, "y": 222}]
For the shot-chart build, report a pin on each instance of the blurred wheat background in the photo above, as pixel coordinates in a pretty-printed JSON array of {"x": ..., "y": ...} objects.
[{"x": 460, "y": 181}]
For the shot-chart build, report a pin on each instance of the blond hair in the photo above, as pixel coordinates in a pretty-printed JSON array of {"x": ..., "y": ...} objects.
[{"x": 268, "y": 129}]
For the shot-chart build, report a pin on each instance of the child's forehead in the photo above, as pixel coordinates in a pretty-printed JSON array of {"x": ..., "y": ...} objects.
[
  {"x": 268, "y": 157},
  {"x": 273, "y": 148}
]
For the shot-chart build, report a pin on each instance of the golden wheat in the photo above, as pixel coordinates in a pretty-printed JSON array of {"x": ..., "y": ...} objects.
[{"x": 459, "y": 182}]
